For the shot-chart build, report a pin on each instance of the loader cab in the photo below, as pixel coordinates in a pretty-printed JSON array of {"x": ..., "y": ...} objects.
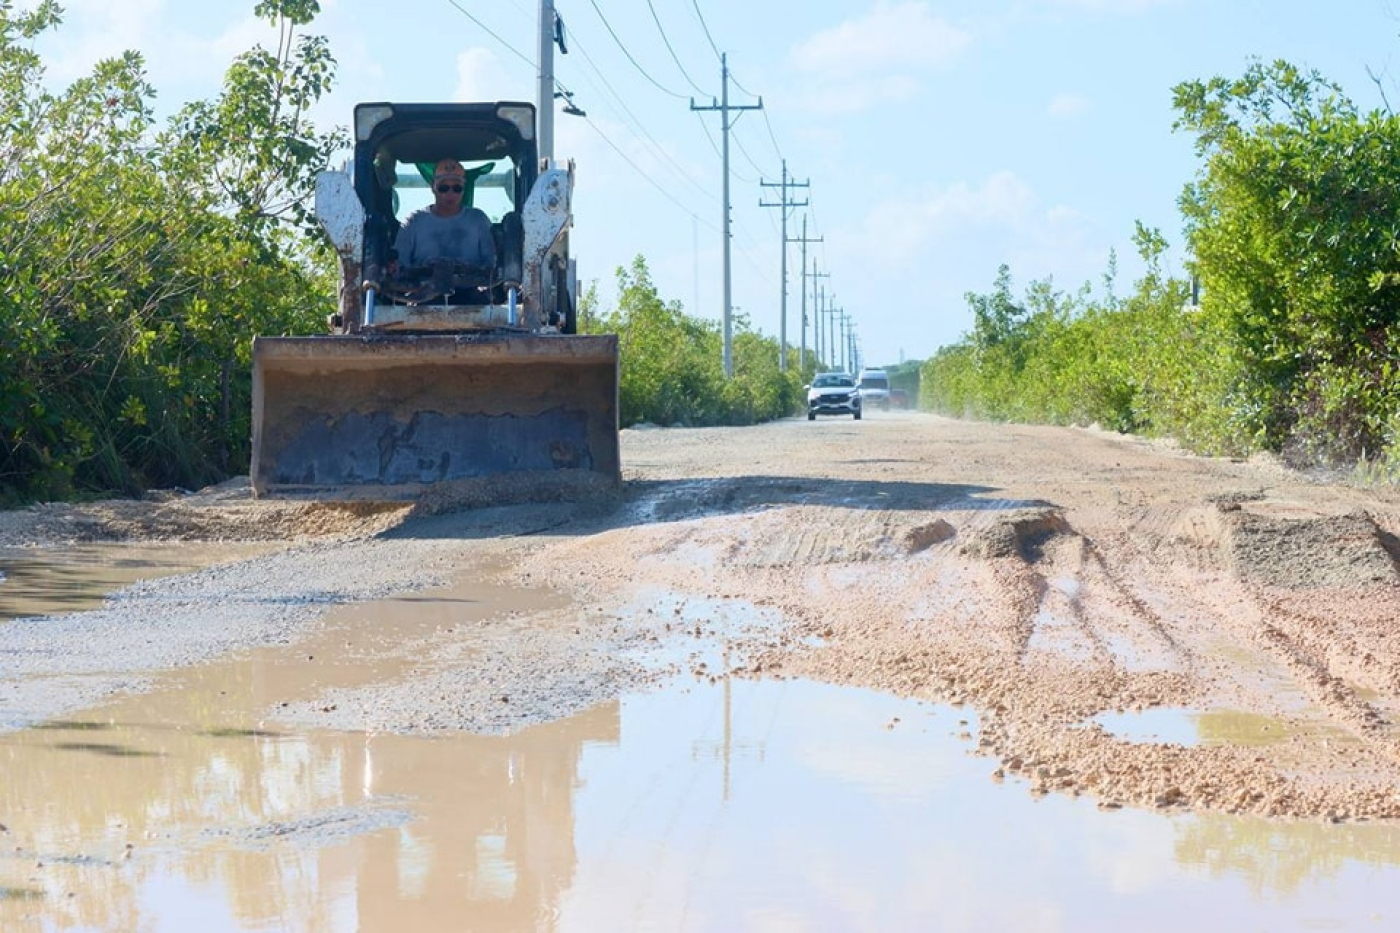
[{"x": 395, "y": 148}]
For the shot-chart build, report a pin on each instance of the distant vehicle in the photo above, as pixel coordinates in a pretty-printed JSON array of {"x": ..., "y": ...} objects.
[
  {"x": 875, "y": 388},
  {"x": 833, "y": 394},
  {"x": 899, "y": 398}
]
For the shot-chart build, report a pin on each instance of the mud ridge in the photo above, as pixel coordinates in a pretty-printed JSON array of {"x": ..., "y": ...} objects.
[
  {"x": 1016, "y": 533},
  {"x": 1330, "y": 551}
]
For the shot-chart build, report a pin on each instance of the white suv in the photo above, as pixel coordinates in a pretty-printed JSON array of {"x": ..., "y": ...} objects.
[{"x": 833, "y": 394}]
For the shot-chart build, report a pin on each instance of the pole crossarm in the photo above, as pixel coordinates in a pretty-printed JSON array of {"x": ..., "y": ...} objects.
[{"x": 786, "y": 203}]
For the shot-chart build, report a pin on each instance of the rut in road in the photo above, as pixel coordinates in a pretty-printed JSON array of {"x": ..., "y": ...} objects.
[{"x": 1041, "y": 619}]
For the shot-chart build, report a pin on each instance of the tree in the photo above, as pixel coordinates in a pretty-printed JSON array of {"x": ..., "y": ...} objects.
[
  {"x": 996, "y": 315},
  {"x": 672, "y": 364},
  {"x": 253, "y": 148},
  {"x": 132, "y": 283},
  {"x": 1294, "y": 222}
]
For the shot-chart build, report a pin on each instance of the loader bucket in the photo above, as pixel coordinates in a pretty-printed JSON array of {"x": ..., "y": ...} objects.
[{"x": 395, "y": 417}]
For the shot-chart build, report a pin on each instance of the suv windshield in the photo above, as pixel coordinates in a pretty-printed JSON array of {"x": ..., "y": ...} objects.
[{"x": 832, "y": 381}]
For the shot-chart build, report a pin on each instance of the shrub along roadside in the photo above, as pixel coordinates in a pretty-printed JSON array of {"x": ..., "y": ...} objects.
[
  {"x": 139, "y": 262},
  {"x": 672, "y": 364},
  {"x": 1293, "y": 223}
]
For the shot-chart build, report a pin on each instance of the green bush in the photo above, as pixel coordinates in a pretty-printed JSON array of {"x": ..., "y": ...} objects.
[
  {"x": 1294, "y": 227},
  {"x": 138, "y": 263},
  {"x": 672, "y": 365}
]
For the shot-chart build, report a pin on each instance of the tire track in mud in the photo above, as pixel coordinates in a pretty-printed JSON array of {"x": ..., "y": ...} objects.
[
  {"x": 1286, "y": 643},
  {"x": 1308, "y": 645},
  {"x": 1070, "y": 595},
  {"x": 959, "y": 602},
  {"x": 1282, "y": 563},
  {"x": 1039, "y": 565}
]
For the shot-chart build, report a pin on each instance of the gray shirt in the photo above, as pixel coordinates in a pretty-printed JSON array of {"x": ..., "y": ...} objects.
[{"x": 425, "y": 236}]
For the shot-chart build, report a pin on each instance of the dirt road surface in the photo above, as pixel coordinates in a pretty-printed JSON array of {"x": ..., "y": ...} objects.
[{"x": 1043, "y": 578}]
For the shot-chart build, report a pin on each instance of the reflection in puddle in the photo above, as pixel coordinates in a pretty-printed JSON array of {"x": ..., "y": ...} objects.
[
  {"x": 53, "y": 581},
  {"x": 735, "y": 806},
  {"x": 1190, "y": 727},
  {"x": 114, "y": 751},
  {"x": 702, "y": 632}
]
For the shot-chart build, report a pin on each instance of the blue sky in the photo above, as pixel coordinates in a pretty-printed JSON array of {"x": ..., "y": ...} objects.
[{"x": 940, "y": 138}]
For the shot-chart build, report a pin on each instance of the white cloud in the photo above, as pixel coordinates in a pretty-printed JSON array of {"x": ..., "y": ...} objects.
[
  {"x": 93, "y": 30},
  {"x": 1058, "y": 243},
  {"x": 903, "y": 35},
  {"x": 1068, "y": 105},
  {"x": 853, "y": 96},
  {"x": 1065, "y": 215},
  {"x": 877, "y": 58},
  {"x": 904, "y": 227}
]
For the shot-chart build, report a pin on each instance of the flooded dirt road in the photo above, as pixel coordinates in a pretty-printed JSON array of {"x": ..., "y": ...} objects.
[{"x": 903, "y": 673}]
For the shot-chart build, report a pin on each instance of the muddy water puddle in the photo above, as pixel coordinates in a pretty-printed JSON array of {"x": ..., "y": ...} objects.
[
  {"x": 49, "y": 581},
  {"x": 740, "y": 805},
  {"x": 1191, "y": 727},
  {"x": 703, "y": 806}
]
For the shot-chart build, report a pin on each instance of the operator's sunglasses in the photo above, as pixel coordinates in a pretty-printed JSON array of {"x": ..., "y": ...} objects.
[{"x": 443, "y": 187}]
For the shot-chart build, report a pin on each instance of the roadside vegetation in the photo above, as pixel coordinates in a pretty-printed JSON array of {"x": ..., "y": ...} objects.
[
  {"x": 1293, "y": 228},
  {"x": 138, "y": 260},
  {"x": 672, "y": 364}
]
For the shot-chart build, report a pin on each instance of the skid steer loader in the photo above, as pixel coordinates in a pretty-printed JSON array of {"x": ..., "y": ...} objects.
[{"x": 450, "y": 374}]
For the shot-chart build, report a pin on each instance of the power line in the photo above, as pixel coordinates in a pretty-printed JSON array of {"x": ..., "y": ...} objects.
[
  {"x": 704, "y": 26},
  {"x": 741, "y": 87},
  {"x": 656, "y": 19},
  {"x": 768, "y": 123},
  {"x": 486, "y": 29},
  {"x": 634, "y": 62},
  {"x": 705, "y": 126},
  {"x": 640, "y": 127},
  {"x": 715, "y": 146},
  {"x": 626, "y": 158},
  {"x": 748, "y": 157},
  {"x": 701, "y": 16},
  {"x": 817, "y": 227}
]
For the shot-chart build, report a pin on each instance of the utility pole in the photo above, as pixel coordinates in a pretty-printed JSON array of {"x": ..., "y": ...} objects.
[
  {"x": 802, "y": 353},
  {"x": 847, "y": 356},
  {"x": 723, "y": 106},
  {"x": 838, "y": 338},
  {"x": 831, "y": 346},
  {"x": 545, "y": 117},
  {"x": 818, "y": 303},
  {"x": 784, "y": 204},
  {"x": 823, "y": 317}
]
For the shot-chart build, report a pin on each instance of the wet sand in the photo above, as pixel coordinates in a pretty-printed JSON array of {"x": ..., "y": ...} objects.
[{"x": 1121, "y": 627}]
